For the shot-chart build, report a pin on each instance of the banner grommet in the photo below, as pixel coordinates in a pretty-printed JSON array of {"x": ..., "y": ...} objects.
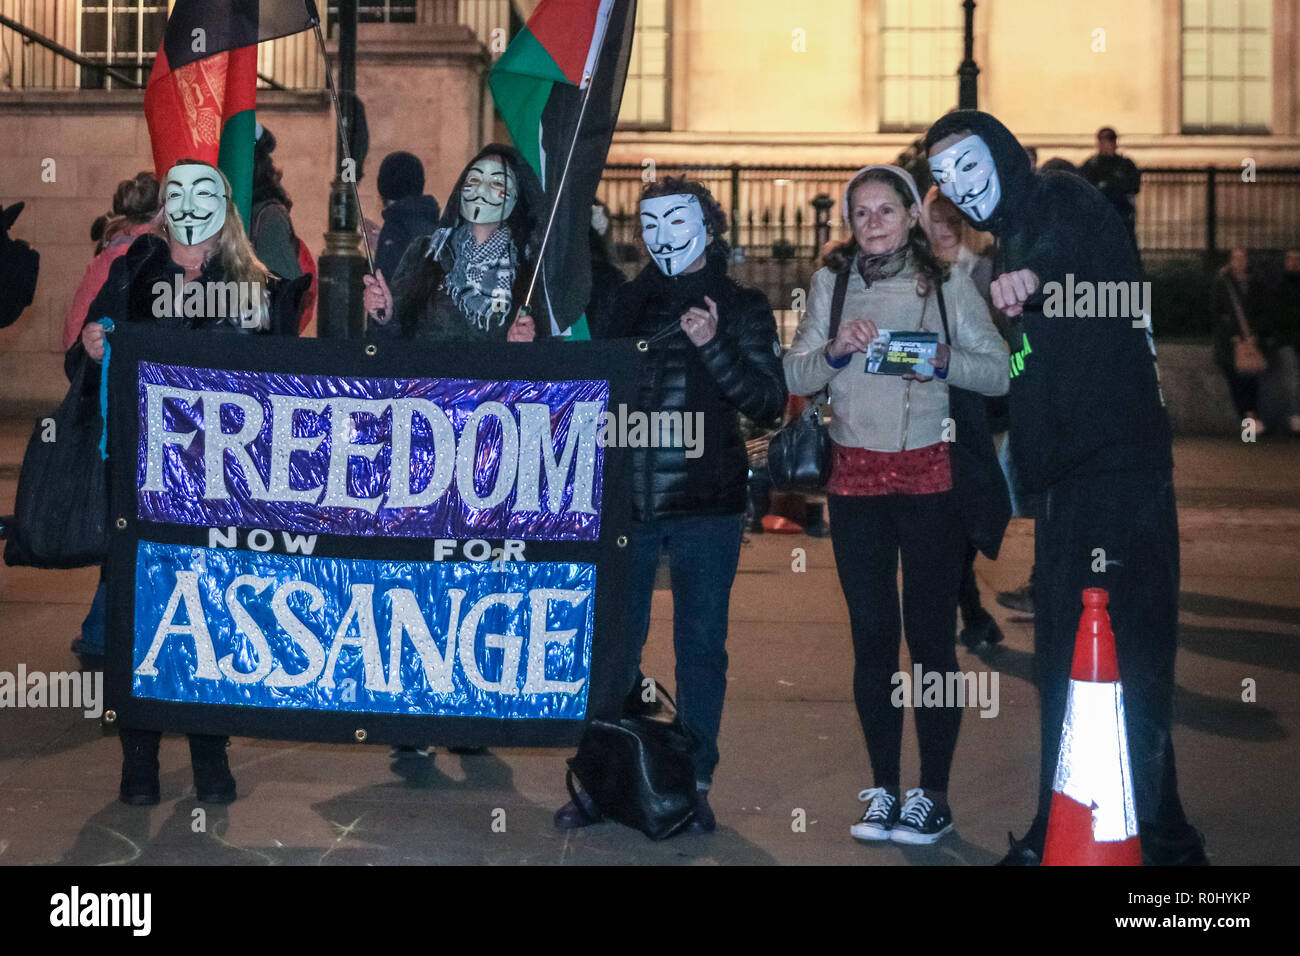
[
  {"x": 642, "y": 345},
  {"x": 360, "y": 734},
  {"x": 371, "y": 350},
  {"x": 621, "y": 541},
  {"x": 110, "y": 716},
  {"x": 120, "y": 524}
]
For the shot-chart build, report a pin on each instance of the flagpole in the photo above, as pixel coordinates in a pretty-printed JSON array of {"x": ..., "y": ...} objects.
[
  {"x": 314, "y": 16},
  {"x": 559, "y": 191}
]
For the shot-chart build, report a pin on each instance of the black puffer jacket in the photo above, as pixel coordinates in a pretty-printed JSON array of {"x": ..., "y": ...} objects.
[{"x": 739, "y": 370}]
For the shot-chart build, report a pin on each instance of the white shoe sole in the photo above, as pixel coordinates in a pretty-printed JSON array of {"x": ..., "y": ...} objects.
[
  {"x": 912, "y": 837},
  {"x": 860, "y": 832}
]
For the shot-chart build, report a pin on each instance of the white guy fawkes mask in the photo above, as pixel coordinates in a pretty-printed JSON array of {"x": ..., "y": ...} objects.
[
  {"x": 195, "y": 202},
  {"x": 489, "y": 192},
  {"x": 674, "y": 231},
  {"x": 967, "y": 175}
]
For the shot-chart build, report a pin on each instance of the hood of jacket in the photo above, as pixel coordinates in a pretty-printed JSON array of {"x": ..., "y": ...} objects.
[
  {"x": 528, "y": 218},
  {"x": 1014, "y": 172}
]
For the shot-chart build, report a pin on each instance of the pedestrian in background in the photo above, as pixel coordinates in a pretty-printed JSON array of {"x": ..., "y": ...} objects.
[
  {"x": 137, "y": 200},
  {"x": 891, "y": 487},
  {"x": 1117, "y": 177},
  {"x": 408, "y": 213}
]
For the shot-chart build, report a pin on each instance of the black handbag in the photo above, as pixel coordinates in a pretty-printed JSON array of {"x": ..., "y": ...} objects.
[
  {"x": 61, "y": 509},
  {"x": 638, "y": 771},
  {"x": 799, "y": 455},
  {"x": 983, "y": 500}
]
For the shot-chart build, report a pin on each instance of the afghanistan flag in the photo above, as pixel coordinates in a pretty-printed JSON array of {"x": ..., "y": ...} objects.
[
  {"x": 559, "y": 87},
  {"x": 203, "y": 89}
]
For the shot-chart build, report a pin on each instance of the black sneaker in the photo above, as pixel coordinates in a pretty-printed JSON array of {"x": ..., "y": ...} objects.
[
  {"x": 1021, "y": 599},
  {"x": 982, "y": 633},
  {"x": 1021, "y": 853},
  {"x": 920, "y": 821},
  {"x": 880, "y": 817}
]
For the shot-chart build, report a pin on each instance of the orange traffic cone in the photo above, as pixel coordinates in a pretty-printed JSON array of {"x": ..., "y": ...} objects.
[{"x": 1093, "y": 821}]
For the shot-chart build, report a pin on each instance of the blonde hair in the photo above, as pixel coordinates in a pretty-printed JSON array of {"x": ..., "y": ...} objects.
[{"x": 234, "y": 251}]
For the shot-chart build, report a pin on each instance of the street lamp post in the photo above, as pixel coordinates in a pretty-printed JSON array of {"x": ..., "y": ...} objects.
[
  {"x": 968, "y": 91},
  {"x": 342, "y": 266}
]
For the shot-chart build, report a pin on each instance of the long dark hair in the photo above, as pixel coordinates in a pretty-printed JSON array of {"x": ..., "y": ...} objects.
[{"x": 930, "y": 268}]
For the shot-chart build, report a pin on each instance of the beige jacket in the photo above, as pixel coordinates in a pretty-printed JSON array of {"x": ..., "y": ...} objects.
[{"x": 884, "y": 412}]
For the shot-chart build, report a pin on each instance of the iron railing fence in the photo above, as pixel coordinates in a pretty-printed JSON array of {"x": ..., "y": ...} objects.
[
  {"x": 292, "y": 62},
  {"x": 1181, "y": 212}
]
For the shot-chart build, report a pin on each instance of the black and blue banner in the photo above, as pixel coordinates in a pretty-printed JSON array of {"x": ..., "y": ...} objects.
[{"x": 334, "y": 540}]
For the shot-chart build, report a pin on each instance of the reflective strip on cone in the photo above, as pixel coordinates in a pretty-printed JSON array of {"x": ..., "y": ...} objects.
[{"x": 1093, "y": 819}]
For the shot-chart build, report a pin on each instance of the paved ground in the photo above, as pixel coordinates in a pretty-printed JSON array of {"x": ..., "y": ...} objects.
[{"x": 790, "y": 740}]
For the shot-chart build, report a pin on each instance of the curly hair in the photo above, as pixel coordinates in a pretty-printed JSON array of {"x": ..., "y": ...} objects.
[
  {"x": 929, "y": 268},
  {"x": 715, "y": 220}
]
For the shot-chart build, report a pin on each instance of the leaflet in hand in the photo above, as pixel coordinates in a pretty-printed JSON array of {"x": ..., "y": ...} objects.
[{"x": 897, "y": 353}]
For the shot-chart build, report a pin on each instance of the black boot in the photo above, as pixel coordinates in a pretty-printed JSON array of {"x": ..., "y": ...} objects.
[
  {"x": 213, "y": 782},
  {"x": 139, "y": 767}
]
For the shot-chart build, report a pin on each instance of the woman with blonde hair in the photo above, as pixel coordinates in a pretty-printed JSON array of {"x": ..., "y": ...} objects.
[
  {"x": 890, "y": 493},
  {"x": 168, "y": 278}
]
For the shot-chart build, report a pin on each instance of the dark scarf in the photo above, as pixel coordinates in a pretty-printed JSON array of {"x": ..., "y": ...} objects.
[{"x": 885, "y": 265}]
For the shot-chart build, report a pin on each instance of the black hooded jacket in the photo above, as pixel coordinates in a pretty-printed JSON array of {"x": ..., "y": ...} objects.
[
  {"x": 738, "y": 370},
  {"x": 423, "y": 310},
  {"x": 1085, "y": 393}
]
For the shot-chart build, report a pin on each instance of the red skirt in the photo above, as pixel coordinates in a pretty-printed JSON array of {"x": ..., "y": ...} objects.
[{"x": 917, "y": 471}]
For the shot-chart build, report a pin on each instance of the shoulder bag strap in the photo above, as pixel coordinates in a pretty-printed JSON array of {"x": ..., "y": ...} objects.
[
  {"x": 837, "y": 303},
  {"x": 1237, "y": 308},
  {"x": 943, "y": 314}
]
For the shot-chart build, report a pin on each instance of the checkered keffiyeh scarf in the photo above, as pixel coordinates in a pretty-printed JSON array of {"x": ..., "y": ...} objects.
[{"x": 481, "y": 277}]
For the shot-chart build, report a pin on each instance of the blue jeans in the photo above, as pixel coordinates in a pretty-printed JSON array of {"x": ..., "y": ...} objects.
[
  {"x": 92, "y": 628},
  {"x": 703, "y": 553}
]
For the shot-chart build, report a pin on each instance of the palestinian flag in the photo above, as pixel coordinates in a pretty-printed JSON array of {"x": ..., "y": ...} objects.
[
  {"x": 203, "y": 89},
  {"x": 571, "y": 53}
]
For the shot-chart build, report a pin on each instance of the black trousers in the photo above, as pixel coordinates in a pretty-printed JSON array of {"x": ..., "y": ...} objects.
[
  {"x": 869, "y": 534},
  {"x": 1131, "y": 517}
]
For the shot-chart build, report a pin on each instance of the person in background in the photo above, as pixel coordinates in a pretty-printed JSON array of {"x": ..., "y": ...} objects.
[
  {"x": 1117, "y": 177},
  {"x": 1246, "y": 303},
  {"x": 20, "y": 265},
  {"x": 951, "y": 241},
  {"x": 467, "y": 281},
  {"x": 890, "y": 493},
  {"x": 137, "y": 200},
  {"x": 606, "y": 277},
  {"x": 408, "y": 213},
  {"x": 274, "y": 239},
  {"x": 204, "y": 243},
  {"x": 711, "y": 353}
]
